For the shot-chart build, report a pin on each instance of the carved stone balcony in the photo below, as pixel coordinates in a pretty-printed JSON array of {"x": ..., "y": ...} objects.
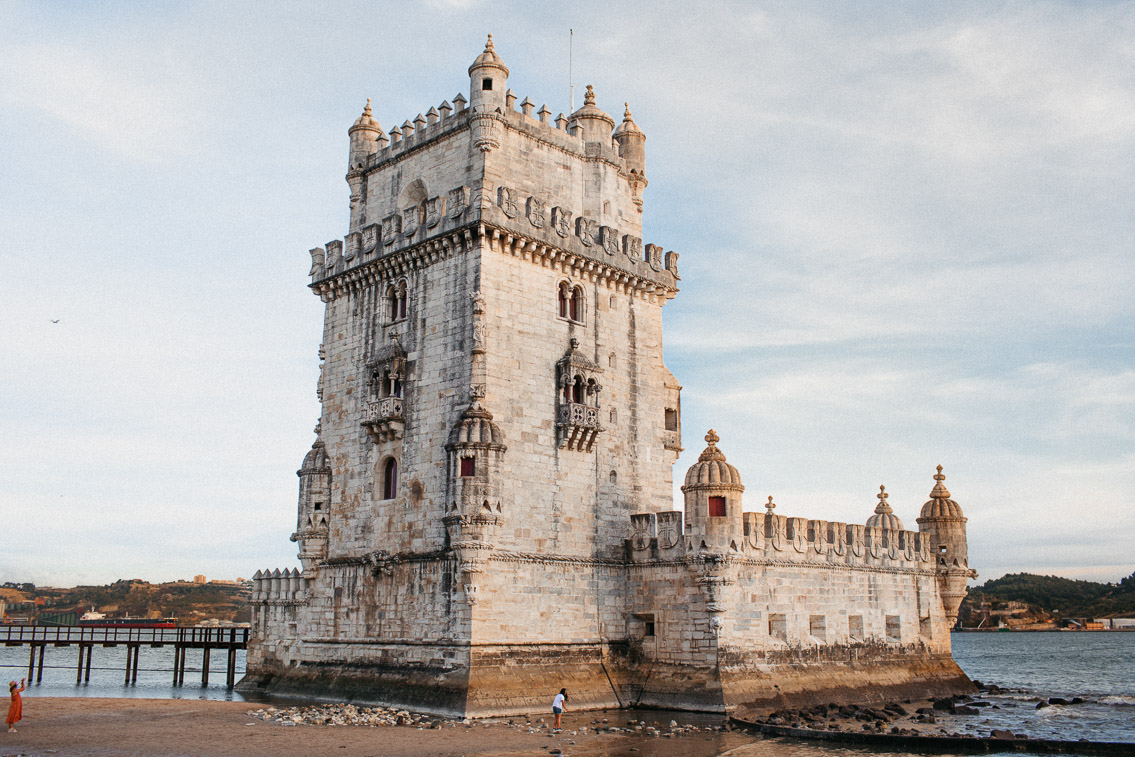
[
  {"x": 383, "y": 419},
  {"x": 577, "y": 425}
]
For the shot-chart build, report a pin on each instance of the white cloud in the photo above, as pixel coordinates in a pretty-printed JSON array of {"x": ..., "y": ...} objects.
[{"x": 141, "y": 106}]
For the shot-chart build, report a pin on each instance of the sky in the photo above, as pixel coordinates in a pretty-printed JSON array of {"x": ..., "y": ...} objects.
[{"x": 906, "y": 235}]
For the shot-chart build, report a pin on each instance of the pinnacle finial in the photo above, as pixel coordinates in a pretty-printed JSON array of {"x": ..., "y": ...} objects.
[
  {"x": 489, "y": 45},
  {"x": 627, "y": 111},
  {"x": 883, "y": 507},
  {"x": 939, "y": 491},
  {"x": 712, "y": 438},
  {"x": 771, "y": 505},
  {"x": 367, "y": 110},
  {"x": 589, "y": 96}
]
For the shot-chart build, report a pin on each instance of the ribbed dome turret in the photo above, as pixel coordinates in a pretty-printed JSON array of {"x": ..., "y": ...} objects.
[
  {"x": 316, "y": 460},
  {"x": 365, "y": 121},
  {"x": 884, "y": 516},
  {"x": 489, "y": 59},
  {"x": 940, "y": 505},
  {"x": 476, "y": 427},
  {"x": 595, "y": 123},
  {"x": 711, "y": 468}
]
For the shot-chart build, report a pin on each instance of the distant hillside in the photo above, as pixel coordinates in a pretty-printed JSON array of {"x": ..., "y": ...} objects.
[
  {"x": 1052, "y": 596},
  {"x": 189, "y": 602}
]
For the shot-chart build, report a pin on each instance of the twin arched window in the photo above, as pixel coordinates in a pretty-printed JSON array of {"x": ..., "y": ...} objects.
[
  {"x": 571, "y": 302},
  {"x": 390, "y": 479},
  {"x": 396, "y": 301},
  {"x": 574, "y": 390}
]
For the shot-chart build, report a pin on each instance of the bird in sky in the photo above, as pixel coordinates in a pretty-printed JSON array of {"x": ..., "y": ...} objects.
[{"x": 55, "y": 320}]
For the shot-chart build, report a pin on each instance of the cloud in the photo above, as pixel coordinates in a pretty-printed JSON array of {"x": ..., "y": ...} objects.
[{"x": 141, "y": 104}]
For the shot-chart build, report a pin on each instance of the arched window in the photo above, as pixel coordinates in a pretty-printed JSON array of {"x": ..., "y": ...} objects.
[
  {"x": 577, "y": 390},
  {"x": 563, "y": 293},
  {"x": 390, "y": 479},
  {"x": 402, "y": 299},
  {"x": 575, "y": 305},
  {"x": 392, "y": 303}
]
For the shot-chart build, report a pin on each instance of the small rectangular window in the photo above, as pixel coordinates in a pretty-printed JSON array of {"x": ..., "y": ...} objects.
[
  {"x": 468, "y": 467},
  {"x": 818, "y": 627},
  {"x": 648, "y": 628},
  {"x": 717, "y": 507},
  {"x": 486, "y": 84},
  {"x": 894, "y": 628},
  {"x": 778, "y": 626},
  {"x": 855, "y": 627},
  {"x": 671, "y": 419}
]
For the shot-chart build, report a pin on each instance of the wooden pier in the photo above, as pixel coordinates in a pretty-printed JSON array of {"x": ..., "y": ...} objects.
[{"x": 86, "y": 638}]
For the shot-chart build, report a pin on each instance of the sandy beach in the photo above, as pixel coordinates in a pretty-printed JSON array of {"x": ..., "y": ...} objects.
[{"x": 173, "y": 727}]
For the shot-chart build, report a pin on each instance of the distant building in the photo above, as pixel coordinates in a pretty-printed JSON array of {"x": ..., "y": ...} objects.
[{"x": 199, "y": 579}]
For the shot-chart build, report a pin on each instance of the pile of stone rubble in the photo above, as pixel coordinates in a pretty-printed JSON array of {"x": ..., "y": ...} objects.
[
  {"x": 350, "y": 714},
  {"x": 343, "y": 714}
]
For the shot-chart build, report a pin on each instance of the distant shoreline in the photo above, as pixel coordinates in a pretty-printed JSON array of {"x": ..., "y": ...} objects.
[{"x": 1043, "y": 630}]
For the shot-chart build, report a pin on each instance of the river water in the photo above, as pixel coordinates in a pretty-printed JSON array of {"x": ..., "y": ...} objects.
[{"x": 1096, "y": 666}]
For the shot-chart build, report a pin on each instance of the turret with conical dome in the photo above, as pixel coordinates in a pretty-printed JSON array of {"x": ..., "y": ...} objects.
[
  {"x": 488, "y": 80},
  {"x": 364, "y": 133},
  {"x": 941, "y": 519},
  {"x": 712, "y": 493},
  {"x": 632, "y": 145}
]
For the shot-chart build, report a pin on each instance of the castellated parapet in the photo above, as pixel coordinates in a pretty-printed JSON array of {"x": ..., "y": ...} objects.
[{"x": 486, "y": 513}]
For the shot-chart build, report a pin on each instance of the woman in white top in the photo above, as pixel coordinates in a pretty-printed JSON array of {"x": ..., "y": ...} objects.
[{"x": 558, "y": 706}]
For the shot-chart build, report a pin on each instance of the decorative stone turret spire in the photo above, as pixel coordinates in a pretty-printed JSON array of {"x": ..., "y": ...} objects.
[
  {"x": 939, "y": 491},
  {"x": 884, "y": 516},
  {"x": 711, "y": 452},
  {"x": 595, "y": 124},
  {"x": 771, "y": 505}
]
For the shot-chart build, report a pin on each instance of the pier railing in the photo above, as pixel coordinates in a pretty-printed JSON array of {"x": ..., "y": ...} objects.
[{"x": 182, "y": 639}]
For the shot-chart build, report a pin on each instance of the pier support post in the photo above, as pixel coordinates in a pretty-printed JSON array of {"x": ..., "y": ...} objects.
[
  {"x": 230, "y": 676},
  {"x": 31, "y": 664},
  {"x": 205, "y": 666},
  {"x": 39, "y": 673},
  {"x": 128, "y": 657},
  {"x": 134, "y": 673},
  {"x": 87, "y": 668},
  {"x": 79, "y": 667}
]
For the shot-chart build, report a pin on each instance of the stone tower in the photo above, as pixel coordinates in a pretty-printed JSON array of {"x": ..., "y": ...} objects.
[
  {"x": 494, "y": 408},
  {"x": 486, "y": 514}
]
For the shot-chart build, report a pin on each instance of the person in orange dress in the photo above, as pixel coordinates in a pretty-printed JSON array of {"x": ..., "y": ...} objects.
[{"x": 16, "y": 708}]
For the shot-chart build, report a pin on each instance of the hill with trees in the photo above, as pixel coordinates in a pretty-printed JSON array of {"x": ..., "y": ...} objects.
[{"x": 1034, "y": 598}]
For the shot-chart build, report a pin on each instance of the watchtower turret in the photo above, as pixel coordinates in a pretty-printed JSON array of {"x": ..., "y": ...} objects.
[
  {"x": 632, "y": 145},
  {"x": 364, "y": 133},
  {"x": 314, "y": 506},
  {"x": 942, "y": 520},
  {"x": 713, "y": 498},
  {"x": 488, "y": 80}
]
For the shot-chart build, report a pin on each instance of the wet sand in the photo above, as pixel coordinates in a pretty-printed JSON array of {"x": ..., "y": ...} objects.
[{"x": 176, "y": 727}]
